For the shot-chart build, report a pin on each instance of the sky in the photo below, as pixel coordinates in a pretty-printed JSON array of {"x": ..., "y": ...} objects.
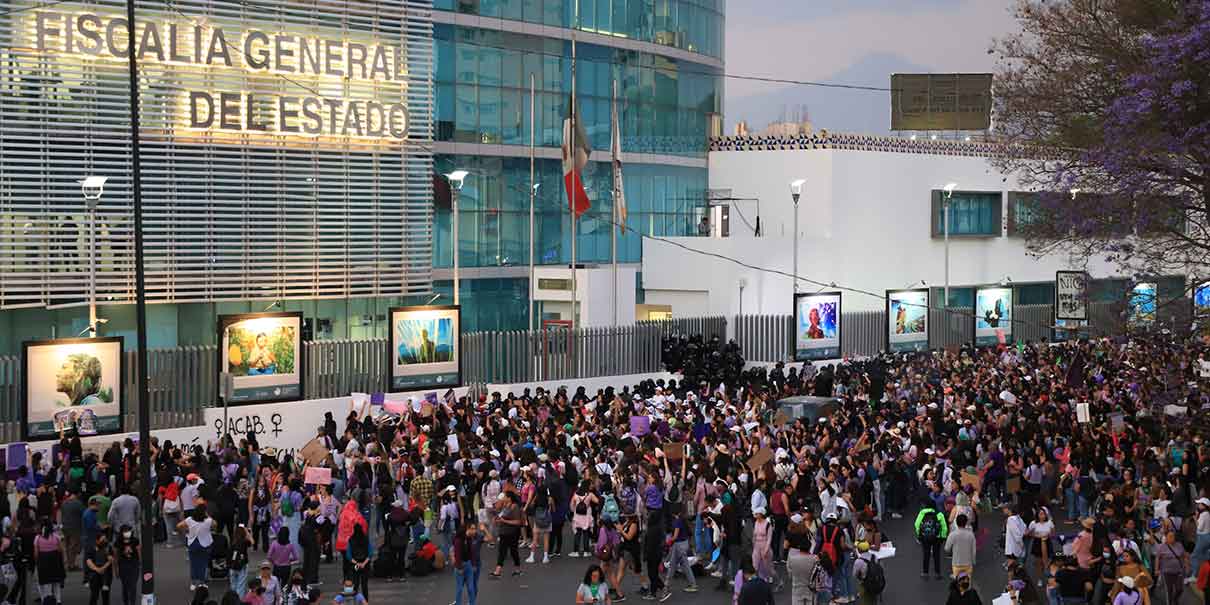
[{"x": 852, "y": 42}]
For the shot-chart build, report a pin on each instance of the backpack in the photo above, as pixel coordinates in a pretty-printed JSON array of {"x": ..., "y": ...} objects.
[
  {"x": 582, "y": 507},
  {"x": 874, "y": 581},
  {"x": 829, "y": 544},
  {"x": 930, "y": 527},
  {"x": 629, "y": 498},
  {"x": 674, "y": 493},
  {"x": 287, "y": 505},
  {"x": 819, "y": 580},
  {"x": 610, "y": 510}
]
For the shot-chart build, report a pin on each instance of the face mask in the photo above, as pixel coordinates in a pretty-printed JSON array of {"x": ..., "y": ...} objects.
[
  {"x": 127, "y": 534},
  {"x": 348, "y": 590}
]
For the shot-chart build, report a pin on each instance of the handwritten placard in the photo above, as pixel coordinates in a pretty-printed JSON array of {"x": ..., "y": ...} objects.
[
  {"x": 318, "y": 476},
  {"x": 640, "y": 425}
]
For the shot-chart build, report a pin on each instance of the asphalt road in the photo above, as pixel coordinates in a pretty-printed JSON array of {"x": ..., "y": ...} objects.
[{"x": 556, "y": 583}]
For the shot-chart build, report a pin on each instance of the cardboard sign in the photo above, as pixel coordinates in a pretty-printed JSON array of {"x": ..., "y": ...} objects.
[
  {"x": 971, "y": 479},
  {"x": 1117, "y": 421},
  {"x": 426, "y": 410},
  {"x": 640, "y": 425},
  {"x": 318, "y": 476},
  {"x": 780, "y": 418},
  {"x": 1013, "y": 485},
  {"x": 377, "y": 398},
  {"x": 761, "y": 458},
  {"x": 313, "y": 453},
  {"x": 673, "y": 452}
]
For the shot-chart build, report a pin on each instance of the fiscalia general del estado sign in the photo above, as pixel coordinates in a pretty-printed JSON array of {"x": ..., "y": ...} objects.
[{"x": 296, "y": 57}]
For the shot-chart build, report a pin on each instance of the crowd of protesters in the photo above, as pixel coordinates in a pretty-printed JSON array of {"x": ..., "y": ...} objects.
[{"x": 1094, "y": 451}]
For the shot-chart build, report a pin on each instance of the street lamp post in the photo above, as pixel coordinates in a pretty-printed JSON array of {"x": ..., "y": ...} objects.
[
  {"x": 795, "y": 193},
  {"x": 456, "y": 177},
  {"x": 945, "y": 213},
  {"x": 92, "y": 187}
]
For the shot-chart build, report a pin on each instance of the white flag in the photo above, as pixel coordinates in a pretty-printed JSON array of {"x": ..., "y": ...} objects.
[{"x": 619, "y": 195}]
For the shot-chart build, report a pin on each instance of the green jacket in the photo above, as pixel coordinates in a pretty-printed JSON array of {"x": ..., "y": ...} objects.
[{"x": 945, "y": 530}]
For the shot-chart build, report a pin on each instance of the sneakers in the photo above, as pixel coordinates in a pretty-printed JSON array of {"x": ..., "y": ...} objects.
[
  {"x": 531, "y": 558},
  {"x": 573, "y": 555},
  {"x": 644, "y": 591},
  {"x": 647, "y": 596},
  {"x": 896, "y": 516},
  {"x": 546, "y": 559},
  {"x": 716, "y": 574},
  {"x": 691, "y": 588},
  {"x": 667, "y": 594},
  {"x": 615, "y": 597}
]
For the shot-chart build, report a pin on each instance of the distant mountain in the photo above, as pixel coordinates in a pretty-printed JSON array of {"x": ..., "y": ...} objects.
[{"x": 836, "y": 109}]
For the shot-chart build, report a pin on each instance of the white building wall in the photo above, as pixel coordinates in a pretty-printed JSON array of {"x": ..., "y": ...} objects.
[{"x": 864, "y": 224}]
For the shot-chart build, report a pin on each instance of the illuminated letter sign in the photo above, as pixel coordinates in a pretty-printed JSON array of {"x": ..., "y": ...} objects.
[{"x": 343, "y": 87}]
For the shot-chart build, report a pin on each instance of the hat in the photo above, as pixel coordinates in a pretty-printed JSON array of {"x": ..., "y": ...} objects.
[
  {"x": 543, "y": 457},
  {"x": 830, "y": 517},
  {"x": 1127, "y": 581},
  {"x": 266, "y": 565},
  {"x": 1203, "y": 501},
  {"x": 1088, "y": 522},
  {"x": 451, "y": 489},
  {"x": 863, "y": 546},
  {"x": 397, "y": 504},
  {"x": 796, "y": 518},
  {"x": 194, "y": 477},
  {"x": 759, "y": 510}
]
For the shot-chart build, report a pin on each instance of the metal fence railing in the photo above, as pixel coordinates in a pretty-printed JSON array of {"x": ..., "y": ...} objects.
[{"x": 184, "y": 380}]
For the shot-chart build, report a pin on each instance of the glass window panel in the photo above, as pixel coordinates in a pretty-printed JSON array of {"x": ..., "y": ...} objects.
[
  {"x": 604, "y": 9},
  {"x": 511, "y": 120},
  {"x": 512, "y": 71},
  {"x": 532, "y": 10},
  {"x": 511, "y": 9},
  {"x": 490, "y": 62},
  {"x": 489, "y": 8},
  {"x": 489, "y": 114},
  {"x": 467, "y": 122}
]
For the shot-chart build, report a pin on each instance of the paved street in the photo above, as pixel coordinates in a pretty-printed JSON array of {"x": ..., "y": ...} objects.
[{"x": 556, "y": 583}]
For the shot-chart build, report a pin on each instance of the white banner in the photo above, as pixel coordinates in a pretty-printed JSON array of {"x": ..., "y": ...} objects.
[{"x": 1071, "y": 295}]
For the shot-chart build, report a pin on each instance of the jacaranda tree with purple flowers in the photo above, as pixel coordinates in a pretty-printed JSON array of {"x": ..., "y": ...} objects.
[{"x": 1117, "y": 93}]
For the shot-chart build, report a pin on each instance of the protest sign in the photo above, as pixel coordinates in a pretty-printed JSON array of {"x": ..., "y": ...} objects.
[
  {"x": 318, "y": 476},
  {"x": 674, "y": 451},
  {"x": 759, "y": 459},
  {"x": 1082, "y": 414},
  {"x": 451, "y": 442},
  {"x": 314, "y": 452},
  {"x": 971, "y": 479},
  {"x": 640, "y": 425}
]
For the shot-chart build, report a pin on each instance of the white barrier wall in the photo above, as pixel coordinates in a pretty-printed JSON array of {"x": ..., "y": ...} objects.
[
  {"x": 590, "y": 384},
  {"x": 284, "y": 426}
]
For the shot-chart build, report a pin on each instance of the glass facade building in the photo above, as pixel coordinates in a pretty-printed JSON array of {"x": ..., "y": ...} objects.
[{"x": 665, "y": 58}]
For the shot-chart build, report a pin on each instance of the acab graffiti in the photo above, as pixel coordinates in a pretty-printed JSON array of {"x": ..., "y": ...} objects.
[{"x": 238, "y": 426}]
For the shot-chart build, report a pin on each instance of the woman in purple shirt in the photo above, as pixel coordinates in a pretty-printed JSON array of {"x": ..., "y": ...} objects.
[{"x": 282, "y": 556}]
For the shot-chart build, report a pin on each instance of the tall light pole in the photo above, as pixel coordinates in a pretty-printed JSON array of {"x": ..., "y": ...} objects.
[
  {"x": 92, "y": 187},
  {"x": 945, "y": 213},
  {"x": 795, "y": 193},
  {"x": 456, "y": 177},
  {"x": 147, "y": 529}
]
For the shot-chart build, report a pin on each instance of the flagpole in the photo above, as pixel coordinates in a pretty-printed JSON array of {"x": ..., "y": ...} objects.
[
  {"x": 575, "y": 175},
  {"x": 533, "y": 191},
  {"x": 613, "y": 229}
]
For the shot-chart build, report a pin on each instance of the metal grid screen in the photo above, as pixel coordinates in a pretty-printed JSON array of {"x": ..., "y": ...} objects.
[{"x": 286, "y": 149}]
